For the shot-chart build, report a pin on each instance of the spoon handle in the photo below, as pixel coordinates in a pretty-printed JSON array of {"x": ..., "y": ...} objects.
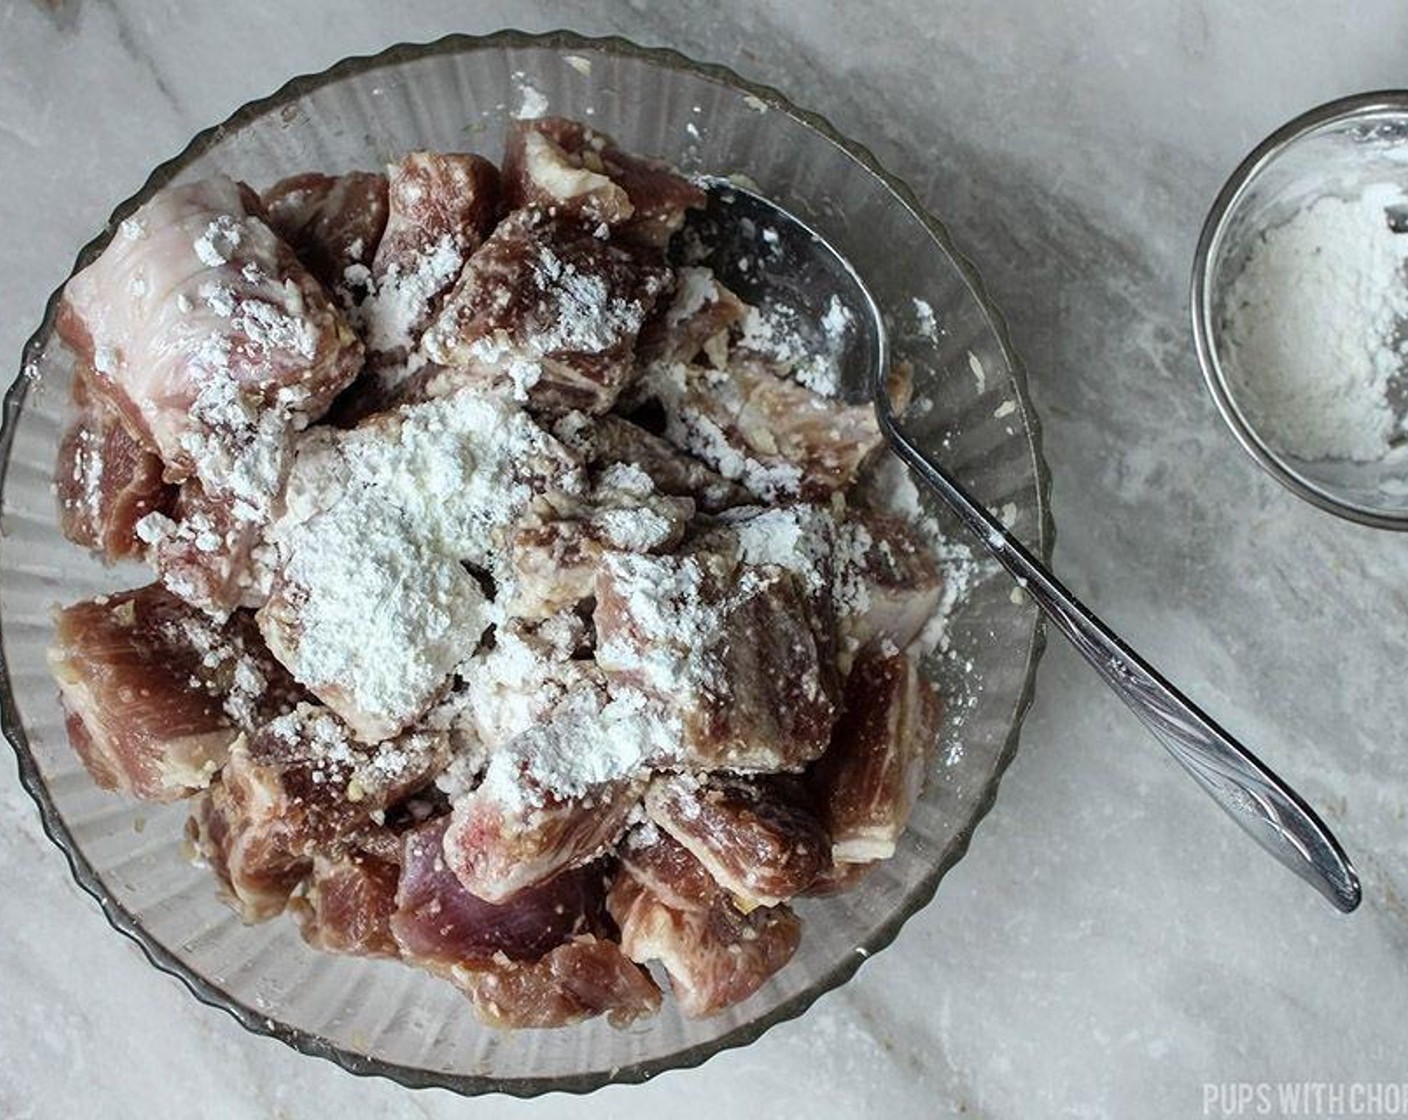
[{"x": 1268, "y": 809}]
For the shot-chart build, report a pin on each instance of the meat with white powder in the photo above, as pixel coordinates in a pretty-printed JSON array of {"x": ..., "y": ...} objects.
[{"x": 557, "y": 646}]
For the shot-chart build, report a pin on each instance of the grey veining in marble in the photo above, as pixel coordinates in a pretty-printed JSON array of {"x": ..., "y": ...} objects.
[{"x": 1111, "y": 943}]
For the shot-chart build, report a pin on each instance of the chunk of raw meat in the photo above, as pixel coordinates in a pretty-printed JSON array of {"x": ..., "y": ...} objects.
[
  {"x": 204, "y": 552},
  {"x": 565, "y": 168},
  {"x": 887, "y": 581},
  {"x": 207, "y": 549},
  {"x": 438, "y": 923},
  {"x": 698, "y": 318},
  {"x": 731, "y": 649},
  {"x": 579, "y": 980},
  {"x": 612, "y": 439},
  {"x": 757, "y": 843},
  {"x": 665, "y": 867},
  {"x": 552, "y": 565},
  {"x": 540, "y": 173},
  {"x": 372, "y": 606},
  {"x": 870, "y": 577},
  {"x": 197, "y": 320},
  {"x": 800, "y": 539},
  {"x": 297, "y": 788},
  {"x": 498, "y": 846},
  {"x": 868, "y": 781},
  {"x": 333, "y": 223},
  {"x": 531, "y": 669},
  {"x": 327, "y": 782},
  {"x": 106, "y": 481},
  {"x": 776, "y": 437},
  {"x": 347, "y": 905},
  {"x": 442, "y": 207},
  {"x": 214, "y": 343},
  {"x": 257, "y": 867},
  {"x": 553, "y": 562},
  {"x": 434, "y": 195},
  {"x": 548, "y": 311},
  {"x": 157, "y": 691},
  {"x": 376, "y": 659},
  {"x": 715, "y": 957}
]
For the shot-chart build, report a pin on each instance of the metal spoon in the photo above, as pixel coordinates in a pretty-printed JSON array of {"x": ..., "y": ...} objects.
[{"x": 768, "y": 256}]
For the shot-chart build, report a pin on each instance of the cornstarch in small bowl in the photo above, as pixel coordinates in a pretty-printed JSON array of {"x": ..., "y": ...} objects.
[
  {"x": 1313, "y": 328},
  {"x": 1300, "y": 306}
]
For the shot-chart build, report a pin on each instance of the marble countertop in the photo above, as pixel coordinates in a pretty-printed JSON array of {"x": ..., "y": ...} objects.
[{"x": 1111, "y": 946}]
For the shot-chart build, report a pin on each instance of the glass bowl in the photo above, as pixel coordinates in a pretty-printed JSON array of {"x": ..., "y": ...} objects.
[
  {"x": 375, "y": 1017},
  {"x": 1335, "y": 150}
]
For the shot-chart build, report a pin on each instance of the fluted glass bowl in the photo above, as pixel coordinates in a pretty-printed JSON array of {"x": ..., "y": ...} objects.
[{"x": 376, "y": 1017}]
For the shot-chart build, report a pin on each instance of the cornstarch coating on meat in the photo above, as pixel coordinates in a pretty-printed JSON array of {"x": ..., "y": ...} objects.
[{"x": 513, "y": 613}]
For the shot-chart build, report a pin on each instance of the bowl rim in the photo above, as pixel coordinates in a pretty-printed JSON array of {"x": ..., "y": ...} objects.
[
  {"x": 305, "y": 1042},
  {"x": 1203, "y": 314}
]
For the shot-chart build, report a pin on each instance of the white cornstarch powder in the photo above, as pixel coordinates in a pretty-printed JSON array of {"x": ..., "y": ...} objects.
[
  {"x": 374, "y": 607},
  {"x": 1313, "y": 328}
]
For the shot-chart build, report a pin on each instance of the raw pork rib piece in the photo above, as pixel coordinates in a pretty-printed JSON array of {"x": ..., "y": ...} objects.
[
  {"x": 760, "y": 845},
  {"x": 870, "y": 778},
  {"x": 215, "y": 344},
  {"x": 372, "y": 606},
  {"x": 530, "y": 670},
  {"x": 376, "y": 643},
  {"x": 798, "y": 538},
  {"x": 731, "y": 648},
  {"x": 333, "y": 223},
  {"x": 562, "y": 167},
  {"x": 156, "y": 692},
  {"x": 348, "y": 903},
  {"x": 698, "y": 318},
  {"x": 442, "y": 206},
  {"x": 559, "y": 794},
  {"x": 497, "y": 848},
  {"x": 205, "y": 551},
  {"x": 583, "y": 978},
  {"x": 299, "y": 787},
  {"x": 553, "y": 566},
  {"x": 777, "y": 438},
  {"x": 195, "y": 319},
  {"x": 438, "y": 924},
  {"x": 665, "y": 867},
  {"x": 714, "y": 955},
  {"x": 554, "y": 561},
  {"x": 868, "y": 576},
  {"x": 613, "y": 439},
  {"x": 887, "y": 583},
  {"x": 536, "y": 961},
  {"x": 548, "y": 310},
  {"x": 254, "y": 862},
  {"x": 106, "y": 480}
]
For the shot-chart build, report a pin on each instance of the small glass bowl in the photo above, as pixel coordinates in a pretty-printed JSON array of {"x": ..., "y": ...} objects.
[{"x": 1335, "y": 150}]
